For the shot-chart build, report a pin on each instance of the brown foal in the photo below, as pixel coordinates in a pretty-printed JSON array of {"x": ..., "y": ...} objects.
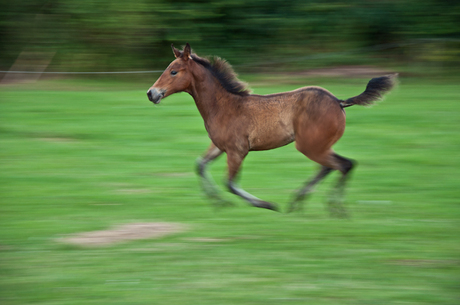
[{"x": 238, "y": 122}]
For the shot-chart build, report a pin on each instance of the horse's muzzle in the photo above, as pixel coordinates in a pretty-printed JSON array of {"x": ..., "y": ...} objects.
[{"x": 155, "y": 95}]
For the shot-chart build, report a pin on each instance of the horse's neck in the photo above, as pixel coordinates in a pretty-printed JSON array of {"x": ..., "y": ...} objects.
[{"x": 210, "y": 97}]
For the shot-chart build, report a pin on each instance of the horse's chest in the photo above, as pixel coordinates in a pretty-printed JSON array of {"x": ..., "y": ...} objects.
[{"x": 227, "y": 135}]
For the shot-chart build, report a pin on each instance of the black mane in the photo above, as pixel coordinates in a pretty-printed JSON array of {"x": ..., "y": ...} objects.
[{"x": 224, "y": 73}]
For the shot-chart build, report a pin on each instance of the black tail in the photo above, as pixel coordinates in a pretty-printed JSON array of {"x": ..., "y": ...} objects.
[{"x": 374, "y": 91}]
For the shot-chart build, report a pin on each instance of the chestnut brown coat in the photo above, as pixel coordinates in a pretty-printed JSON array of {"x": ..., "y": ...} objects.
[{"x": 238, "y": 122}]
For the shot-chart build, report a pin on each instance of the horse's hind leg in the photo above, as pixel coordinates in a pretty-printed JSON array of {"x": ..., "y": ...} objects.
[
  {"x": 296, "y": 204},
  {"x": 234, "y": 160},
  {"x": 330, "y": 161},
  {"x": 207, "y": 183},
  {"x": 335, "y": 202}
]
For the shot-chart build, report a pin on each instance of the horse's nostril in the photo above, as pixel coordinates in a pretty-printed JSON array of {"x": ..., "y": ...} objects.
[{"x": 154, "y": 95}]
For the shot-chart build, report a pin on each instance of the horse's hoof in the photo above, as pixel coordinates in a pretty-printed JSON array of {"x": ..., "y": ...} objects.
[
  {"x": 267, "y": 205},
  {"x": 293, "y": 206},
  {"x": 222, "y": 203},
  {"x": 341, "y": 213}
]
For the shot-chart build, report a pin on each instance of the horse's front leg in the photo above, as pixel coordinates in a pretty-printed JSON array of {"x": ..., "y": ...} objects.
[
  {"x": 207, "y": 183},
  {"x": 234, "y": 160}
]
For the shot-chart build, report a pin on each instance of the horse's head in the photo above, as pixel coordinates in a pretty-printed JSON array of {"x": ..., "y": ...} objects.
[{"x": 176, "y": 78}]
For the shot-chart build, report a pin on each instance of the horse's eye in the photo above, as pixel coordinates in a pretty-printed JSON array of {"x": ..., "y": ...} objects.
[{"x": 173, "y": 72}]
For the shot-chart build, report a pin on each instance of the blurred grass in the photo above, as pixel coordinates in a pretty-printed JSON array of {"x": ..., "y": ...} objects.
[{"x": 78, "y": 156}]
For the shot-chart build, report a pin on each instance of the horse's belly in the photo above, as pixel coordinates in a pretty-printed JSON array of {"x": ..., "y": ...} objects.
[{"x": 270, "y": 139}]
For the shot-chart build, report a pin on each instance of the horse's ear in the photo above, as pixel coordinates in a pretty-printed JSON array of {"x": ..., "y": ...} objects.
[
  {"x": 176, "y": 52},
  {"x": 187, "y": 52}
]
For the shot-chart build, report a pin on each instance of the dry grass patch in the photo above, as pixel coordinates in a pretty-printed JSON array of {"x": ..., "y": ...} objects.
[{"x": 123, "y": 233}]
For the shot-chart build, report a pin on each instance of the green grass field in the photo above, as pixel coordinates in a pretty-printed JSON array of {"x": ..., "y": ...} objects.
[{"x": 78, "y": 156}]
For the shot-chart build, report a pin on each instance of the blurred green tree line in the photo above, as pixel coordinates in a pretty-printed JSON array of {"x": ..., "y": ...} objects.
[{"x": 99, "y": 35}]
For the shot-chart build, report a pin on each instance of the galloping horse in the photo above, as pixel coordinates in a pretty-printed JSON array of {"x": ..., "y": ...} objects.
[{"x": 238, "y": 122}]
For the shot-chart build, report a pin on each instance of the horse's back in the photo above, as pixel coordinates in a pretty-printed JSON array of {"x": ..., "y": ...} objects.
[{"x": 277, "y": 119}]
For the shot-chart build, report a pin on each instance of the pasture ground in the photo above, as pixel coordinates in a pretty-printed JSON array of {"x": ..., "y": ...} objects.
[{"x": 79, "y": 156}]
